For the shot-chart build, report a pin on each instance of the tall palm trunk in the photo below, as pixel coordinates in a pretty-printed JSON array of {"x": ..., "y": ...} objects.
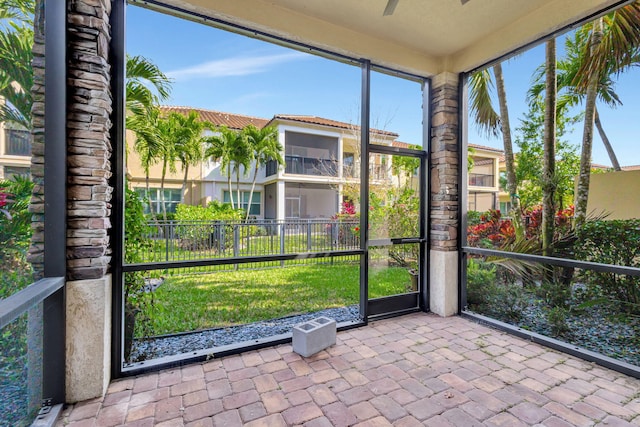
[
  {"x": 582, "y": 194},
  {"x": 549, "y": 160},
  {"x": 233, "y": 206},
  {"x": 512, "y": 186},
  {"x": 238, "y": 202},
  {"x": 184, "y": 182},
  {"x": 253, "y": 187},
  {"x": 606, "y": 142},
  {"x": 164, "y": 173}
]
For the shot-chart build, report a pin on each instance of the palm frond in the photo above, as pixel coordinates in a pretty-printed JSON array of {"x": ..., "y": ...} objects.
[
  {"x": 617, "y": 49},
  {"x": 484, "y": 115}
]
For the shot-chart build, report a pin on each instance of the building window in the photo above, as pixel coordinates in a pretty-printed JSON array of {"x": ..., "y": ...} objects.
[
  {"x": 244, "y": 196},
  {"x": 10, "y": 171},
  {"x": 172, "y": 197},
  {"x": 505, "y": 208},
  {"x": 18, "y": 142}
]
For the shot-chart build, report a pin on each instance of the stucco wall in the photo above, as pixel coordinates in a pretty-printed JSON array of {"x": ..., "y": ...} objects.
[{"x": 615, "y": 193}]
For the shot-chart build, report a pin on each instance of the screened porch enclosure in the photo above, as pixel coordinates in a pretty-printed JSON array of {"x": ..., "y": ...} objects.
[{"x": 310, "y": 201}]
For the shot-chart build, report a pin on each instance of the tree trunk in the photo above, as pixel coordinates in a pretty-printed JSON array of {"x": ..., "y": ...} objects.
[
  {"x": 184, "y": 182},
  {"x": 233, "y": 206},
  {"x": 606, "y": 142},
  {"x": 238, "y": 202},
  {"x": 549, "y": 157},
  {"x": 253, "y": 187},
  {"x": 151, "y": 210},
  {"x": 512, "y": 185},
  {"x": 164, "y": 173},
  {"x": 582, "y": 194}
]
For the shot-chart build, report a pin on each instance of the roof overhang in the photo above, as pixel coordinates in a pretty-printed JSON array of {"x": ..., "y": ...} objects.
[{"x": 421, "y": 37}]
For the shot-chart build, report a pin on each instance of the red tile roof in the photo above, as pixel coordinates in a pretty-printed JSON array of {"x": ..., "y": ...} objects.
[
  {"x": 401, "y": 144},
  {"x": 631, "y": 168},
  {"x": 232, "y": 121},
  {"x": 484, "y": 147},
  {"x": 327, "y": 122}
]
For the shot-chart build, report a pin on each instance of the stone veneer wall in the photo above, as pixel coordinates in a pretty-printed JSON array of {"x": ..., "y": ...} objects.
[
  {"x": 445, "y": 196},
  {"x": 88, "y": 142},
  {"x": 36, "y": 207},
  {"x": 444, "y": 160}
]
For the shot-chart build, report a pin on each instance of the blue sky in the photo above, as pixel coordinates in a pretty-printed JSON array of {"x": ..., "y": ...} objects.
[{"x": 222, "y": 71}]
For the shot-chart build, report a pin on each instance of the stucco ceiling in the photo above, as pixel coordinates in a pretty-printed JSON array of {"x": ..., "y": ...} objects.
[{"x": 424, "y": 37}]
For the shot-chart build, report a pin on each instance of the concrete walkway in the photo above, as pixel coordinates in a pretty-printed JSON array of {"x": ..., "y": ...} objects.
[{"x": 414, "y": 370}]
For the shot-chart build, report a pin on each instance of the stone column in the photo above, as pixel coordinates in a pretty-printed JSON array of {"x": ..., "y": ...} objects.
[
  {"x": 445, "y": 201},
  {"x": 36, "y": 205},
  {"x": 88, "y": 200}
]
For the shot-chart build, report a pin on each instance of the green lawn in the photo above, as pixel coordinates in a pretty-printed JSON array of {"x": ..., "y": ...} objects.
[{"x": 202, "y": 301}]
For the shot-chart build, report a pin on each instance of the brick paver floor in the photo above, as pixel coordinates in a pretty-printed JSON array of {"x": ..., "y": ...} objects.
[{"x": 414, "y": 370}]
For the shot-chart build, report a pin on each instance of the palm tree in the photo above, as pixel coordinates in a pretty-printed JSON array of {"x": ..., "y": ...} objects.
[
  {"x": 570, "y": 95},
  {"x": 241, "y": 155},
  {"x": 142, "y": 76},
  {"x": 610, "y": 46},
  {"x": 218, "y": 148},
  {"x": 492, "y": 123},
  {"x": 265, "y": 146},
  {"x": 189, "y": 143},
  {"x": 148, "y": 143}
]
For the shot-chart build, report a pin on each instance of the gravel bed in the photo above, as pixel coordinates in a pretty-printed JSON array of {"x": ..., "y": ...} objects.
[
  {"x": 170, "y": 345},
  {"x": 593, "y": 329}
]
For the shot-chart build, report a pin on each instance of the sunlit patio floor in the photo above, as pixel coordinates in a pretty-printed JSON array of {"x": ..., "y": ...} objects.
[{"x": 418, "y": 369}]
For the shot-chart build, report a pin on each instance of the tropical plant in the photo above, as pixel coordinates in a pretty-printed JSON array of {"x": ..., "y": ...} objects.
[
  {"x": 16, "y": 56},
  {"x": 266, "y": 147},
  {"x": 189, "y": 143},
  {"x": 615, "y": 242},
  {"x": 233, "y": 151},
  {"x": 15, "y": 234},
  {"x": 148, "y": 143},
  {"x": 492, "y": 123},
  {"x": 609, "y": 46},
  {"x": 146, "y": 85}
]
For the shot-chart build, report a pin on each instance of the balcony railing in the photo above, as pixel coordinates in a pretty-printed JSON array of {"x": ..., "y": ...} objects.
[
  {"x": 377, "y": 172},
  {"x": 481, "y": 180},
  {"x": 310, "y": 166},
  {"x": 17, "y": 142}
]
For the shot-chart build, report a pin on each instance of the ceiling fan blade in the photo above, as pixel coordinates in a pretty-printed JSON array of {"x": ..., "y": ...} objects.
[
  {"x": 391, "y": 6},
  {"x": 464, "y": 1}
]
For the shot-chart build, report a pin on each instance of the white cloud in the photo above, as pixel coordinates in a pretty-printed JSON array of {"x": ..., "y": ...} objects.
[{"x": 238, "y": 66}]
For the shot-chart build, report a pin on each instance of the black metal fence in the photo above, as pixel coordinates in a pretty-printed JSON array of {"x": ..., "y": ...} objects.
[{"x": 194, "y": 240}]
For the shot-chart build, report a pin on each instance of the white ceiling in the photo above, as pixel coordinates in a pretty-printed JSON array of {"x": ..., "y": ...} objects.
[{"x": 424, "y": 37}]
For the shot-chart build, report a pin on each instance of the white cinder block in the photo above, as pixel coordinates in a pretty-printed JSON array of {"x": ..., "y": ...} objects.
[{"x": 315, "y": 335}]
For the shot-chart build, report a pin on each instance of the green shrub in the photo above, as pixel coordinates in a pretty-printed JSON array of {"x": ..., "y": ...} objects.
[
  {"x": 201, "y": 228},
  {"x": 473, "y": 218},
  {"x": 138, "y": 302},
  {"x": 557, "y": 320},
  {"x": 480, "y": 277},
  {"x": 15, "y": 234},
  {"x": 555, "y": 294},
  {"x": 487, "y": 295},
  {"x": 615, "y": 242}
]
